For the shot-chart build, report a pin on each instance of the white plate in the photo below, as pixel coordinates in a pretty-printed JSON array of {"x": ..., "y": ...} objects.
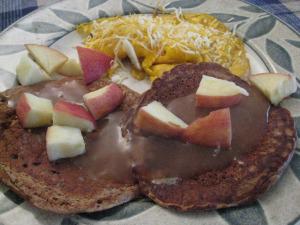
[{"x": 271, "y": 46}]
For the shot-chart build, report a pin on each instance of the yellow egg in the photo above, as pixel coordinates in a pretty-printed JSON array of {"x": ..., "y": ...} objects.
[{"x": 162, "y": 41}]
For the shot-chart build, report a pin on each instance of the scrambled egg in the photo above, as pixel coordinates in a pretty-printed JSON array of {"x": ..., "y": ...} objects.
[{"x": 163, "y": 41}]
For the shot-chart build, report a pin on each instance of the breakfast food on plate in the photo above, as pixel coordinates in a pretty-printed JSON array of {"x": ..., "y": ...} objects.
[
  {"x": 275, "y": 86},
  {"x": 74, "y": 115},
  {"x": 213, "y": 130},
  {"x": 162, "y": 41},
  {"x": 70, "y": 68},
  {"x": 64, "y": 142},
  {"x": 33, "y": 111},
  {"x": 200, "y": 138},
  {"x": 218, "y": 93},
  {"x": 49, "y": 59},
  {"x": 42, "y": 62},
  {"x": 207, "y": 161},
  {"x": 154, "y": 118},
  {"x": 28, "y": 72},
  {"x": 104, "y": 100},
  {"x": 96, "y": 180},
  {"x": 187, "y": 176},
  {"x": 94, "y": 64}
]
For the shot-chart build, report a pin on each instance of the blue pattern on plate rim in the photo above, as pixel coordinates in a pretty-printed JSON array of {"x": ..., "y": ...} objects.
[{"x": 249, "y": 214}]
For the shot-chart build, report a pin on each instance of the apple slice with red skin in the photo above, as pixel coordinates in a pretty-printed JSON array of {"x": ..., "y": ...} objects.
[
  {"x": 73, "y": 115},
  {"x": 104, "y": 100},
  {"x": 218, "y": 93},
  {"x": 34, "y": 111},
  {"x": 94, "y": 64},
  {"x": 154, "y": 118},
  {"x": 213, "y": 130},
  {"x": 205, "y": 101}
]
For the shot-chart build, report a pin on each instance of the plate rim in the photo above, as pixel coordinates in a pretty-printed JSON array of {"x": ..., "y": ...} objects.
[
  {"x": 60, "y": 1},
  {"x": 45, "y": 7}
]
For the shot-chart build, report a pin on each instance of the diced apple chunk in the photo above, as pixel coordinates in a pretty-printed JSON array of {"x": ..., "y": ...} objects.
[
  {"x": 70, "y": 68},
  {"x": 213, "y": 130},
  {"x": 218, "y": 93},
  {"x": 28, "y": 72},
  {"x": 48, "y": 58},
  {"x": 94, "y": 64},
  {"x": 275, "y": 86},
  {"x": 104, "y": 100},
  {"x": 70, "y": 114},
  {"x": 64, "y": 142},
  {"x": 34, "y": 111},
  {"x": 155, "y": 118}
]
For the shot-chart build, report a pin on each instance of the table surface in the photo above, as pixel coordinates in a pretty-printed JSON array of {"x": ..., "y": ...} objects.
[{"x": 287, "y": 11}]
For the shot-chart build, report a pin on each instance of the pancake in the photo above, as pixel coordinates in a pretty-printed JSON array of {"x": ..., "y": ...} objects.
[
  {"x": 117, "y": 166},
  {"x": 98, "y": 180},
  {"x": 185, "y": 176}
]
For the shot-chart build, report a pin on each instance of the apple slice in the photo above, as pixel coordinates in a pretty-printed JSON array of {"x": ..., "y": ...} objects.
[
  {"x": 70, "y": 68},
  {"x": 94, "y": 64},
  {"x": 275, "y": 86},
  {"x": 48, "y": 58},
  {"x": 218, "y": 93},
  {"x": 34, "y": 111},
  {"x": 156, "y": 119},
  {"x": 104, "y": 100},
  {"x": 64, "y": 142},
  {"x": 28, "y": 72},
  {"x": 73, "y": 115},
  {"x": 213, "y": 130}
]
